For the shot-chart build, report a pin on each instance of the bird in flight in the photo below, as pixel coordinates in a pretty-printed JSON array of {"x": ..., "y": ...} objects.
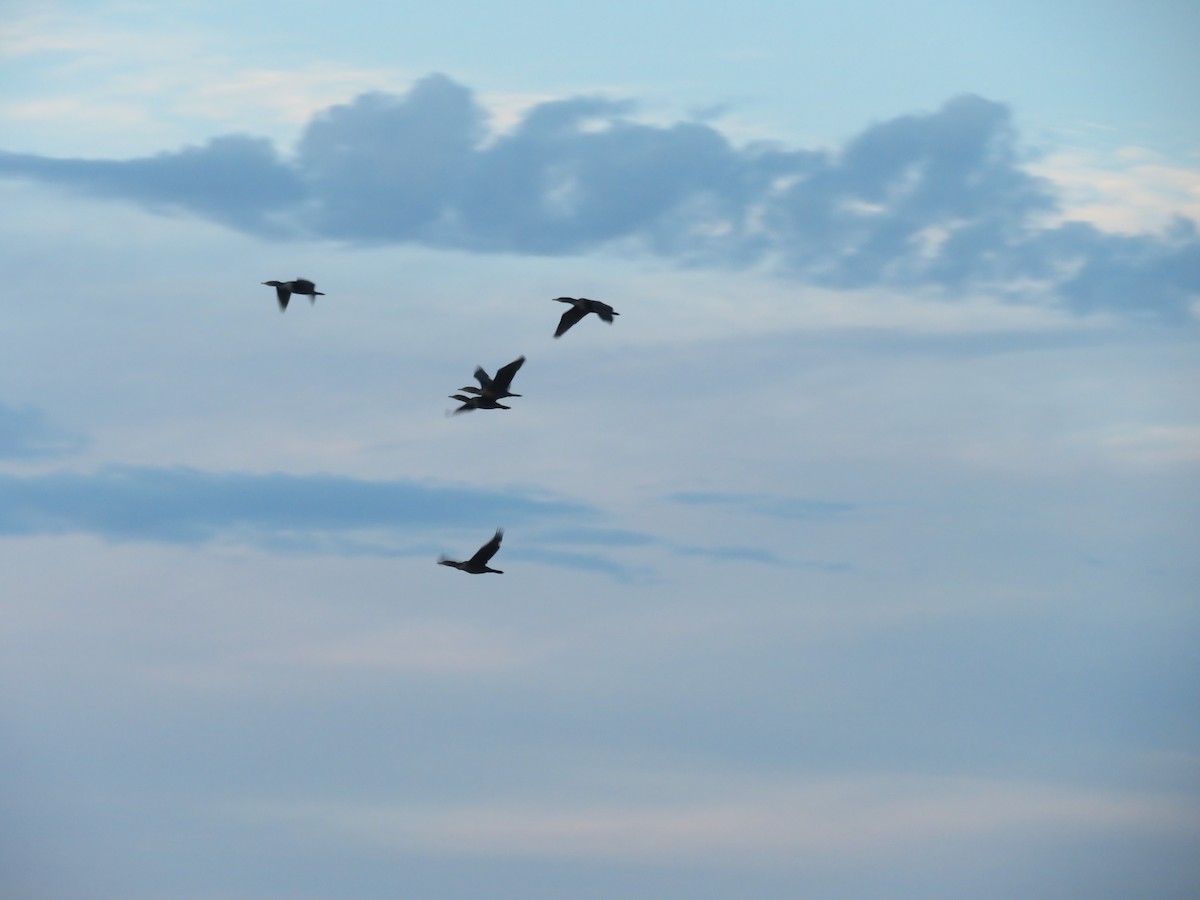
[
  {"x": 498, "y": 387},
  {"x": 285, "y": 289},
  {"x": 478, "y": 564},
  {"x": 470, "y": 403},
  {"x": 580, "y": 307}
]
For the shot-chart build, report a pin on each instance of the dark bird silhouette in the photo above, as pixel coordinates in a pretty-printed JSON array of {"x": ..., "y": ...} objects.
[
  {"x": 285, "y": 289},
  {"x": 478, "y": 564},
  {"x": 498, "y": 387},
  {"x": 580, "y": 307},
  {"x": 470, "y": 403}
]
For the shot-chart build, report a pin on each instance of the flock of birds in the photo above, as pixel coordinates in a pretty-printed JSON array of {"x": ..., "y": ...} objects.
[{"x": 491, "y": 390}]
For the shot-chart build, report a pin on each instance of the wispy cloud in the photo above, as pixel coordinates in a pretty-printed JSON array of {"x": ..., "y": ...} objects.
[
  {"x": 583, "y": 561},
  {"x": 26, "y": 433},
  {"x": 764, "y": 504},
  {"x": 276, "y": 511},
  {"x": 941, "y": 200},
  {"x": 1129, "y": 190},
  {"x": 733, "y": 554},
  {"x": 784, "y": 823}
]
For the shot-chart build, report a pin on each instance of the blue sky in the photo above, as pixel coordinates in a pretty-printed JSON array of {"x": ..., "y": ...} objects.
[{"x": 854, "y": 559}]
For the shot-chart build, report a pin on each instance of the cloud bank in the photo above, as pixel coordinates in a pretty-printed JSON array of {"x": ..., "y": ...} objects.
[
  {"x": 182, "y": 505},
  {"x": 938, "y": 200}
]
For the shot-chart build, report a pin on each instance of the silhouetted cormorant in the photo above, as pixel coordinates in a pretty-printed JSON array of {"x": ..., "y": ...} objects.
[
  {"x": 478, "y": 564},
  {"x": 580, "y": 307},
  {"x": 470, "y": 403},
  {"x": 498, "y": 387},
  {"x": 285, "y": 289}
]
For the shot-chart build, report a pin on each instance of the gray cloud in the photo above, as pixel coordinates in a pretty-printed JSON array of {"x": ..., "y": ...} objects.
[
  {"x": 236, "y": 180},
  {"x": 276, "y": 511},
  {"x": 938, "y": 200},
  {"x": 26, "y": 433},
  {"x": 388, "y": 168}
]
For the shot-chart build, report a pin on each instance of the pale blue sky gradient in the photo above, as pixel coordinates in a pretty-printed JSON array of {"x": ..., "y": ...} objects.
[{"x": 856, "y": 558}]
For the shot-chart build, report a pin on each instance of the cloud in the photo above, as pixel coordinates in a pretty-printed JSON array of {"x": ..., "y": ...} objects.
[
  {"x": 387, "y": 168},
  {"x": 585, "y": 562},
  {"x": 1129, "y": 189},
  {"x": 26, "y": 433},
  {"x": 764, "y": 504},
  {"x": 236, "y": 180},
  {"x": 734, "y": 554},
  {"x": 276, "y": 511},
  {"x": 852, "y": 819},
  {"x": 942, "y": 200},
  {"x": 436, "y": 648},
  {"x": 589, "y": 560}
]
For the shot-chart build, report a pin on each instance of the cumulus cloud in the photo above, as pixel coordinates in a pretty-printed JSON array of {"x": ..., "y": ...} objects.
[
  {"x": 236, "y": 180},
  {"x": 937, "y": 200},
  {"x": 277, "y": 511}
]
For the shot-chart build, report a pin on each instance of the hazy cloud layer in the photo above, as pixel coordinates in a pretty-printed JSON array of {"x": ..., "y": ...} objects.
[
  {"x": 26, "y": 433},
  {"x": 763, "y": 504},
  {"x": 325, "y": 513},
  {"x": 275, "y": 510},
  {"x": 938, "y": 199}
]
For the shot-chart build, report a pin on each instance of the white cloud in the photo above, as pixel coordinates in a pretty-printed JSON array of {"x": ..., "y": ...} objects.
[
  {"x": 1127, "y": 190},
  {"x": 1156, "y": 445}
]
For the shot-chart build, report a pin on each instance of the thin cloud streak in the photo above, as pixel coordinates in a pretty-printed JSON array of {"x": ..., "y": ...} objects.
[
  {"x": 945, "y": 200},
  {"x": 764, "y": 505},
  {"x": 863, "y": 819},
  {"x": 27, "y": 434},
  {"x": 181, "y": 505}
]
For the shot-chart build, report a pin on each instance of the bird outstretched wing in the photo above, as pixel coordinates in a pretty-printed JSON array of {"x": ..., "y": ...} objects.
[
  {"x": 504, "y": 374},
  {"x": 569, "y": 318},
  {"x": 488, "y": 550}
]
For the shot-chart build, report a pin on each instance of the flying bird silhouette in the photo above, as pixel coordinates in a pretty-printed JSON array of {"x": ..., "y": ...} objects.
[
  {"x": 285, "y": 289},
  {"x": 470, "y": 403},
  {"x": 498, "y": 387},
  {"x": 580, "y": 307},
  {"x": 478, "y": 564}
]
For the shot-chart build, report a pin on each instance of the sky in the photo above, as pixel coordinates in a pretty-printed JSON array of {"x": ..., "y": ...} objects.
[{"x": 856, "y": 558}]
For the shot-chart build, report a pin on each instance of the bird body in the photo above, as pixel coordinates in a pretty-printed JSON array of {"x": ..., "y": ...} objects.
[
  {"x": 481, "y": 402},
  {"x": 478, "y": 564},
  {"x": 498, "y": 387},
  {"x": 580, "y": 307},
  {"x": 285, "y": 289}
]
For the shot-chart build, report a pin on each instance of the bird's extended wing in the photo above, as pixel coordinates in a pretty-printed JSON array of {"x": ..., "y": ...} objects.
[
  {"x": 488, "y": 550},
  {"x": 284, "y": 295},
  {"x": 569, "y": 318},
  {"x": 504, "y": 374}
]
